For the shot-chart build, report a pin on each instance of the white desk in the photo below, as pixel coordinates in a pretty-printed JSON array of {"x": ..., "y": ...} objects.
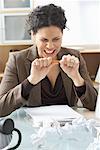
[
  {"x": 86, "y": 113},
  {"x": 23, "y": 123}
]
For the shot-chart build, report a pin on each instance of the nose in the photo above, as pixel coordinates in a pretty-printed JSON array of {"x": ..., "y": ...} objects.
[{"x": 50, "y": 45}]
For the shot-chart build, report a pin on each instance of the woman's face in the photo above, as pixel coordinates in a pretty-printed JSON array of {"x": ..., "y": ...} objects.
[{"x": 48, "y": 41}]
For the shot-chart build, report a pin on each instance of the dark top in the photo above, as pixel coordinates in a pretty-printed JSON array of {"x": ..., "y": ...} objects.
[
  {"x": 53, "y": 96},
  {"x": 50, "y": 95}
]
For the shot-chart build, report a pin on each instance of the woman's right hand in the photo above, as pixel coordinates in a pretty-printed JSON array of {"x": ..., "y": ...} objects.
[{"x": 39, "y": 69}]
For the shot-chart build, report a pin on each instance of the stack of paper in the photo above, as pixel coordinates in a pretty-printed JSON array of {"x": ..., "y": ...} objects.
[{"x": 47, "y": 114}]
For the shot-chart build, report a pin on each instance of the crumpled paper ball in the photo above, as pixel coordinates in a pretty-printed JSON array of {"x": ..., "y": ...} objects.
[{"x": 75, "y": 136}]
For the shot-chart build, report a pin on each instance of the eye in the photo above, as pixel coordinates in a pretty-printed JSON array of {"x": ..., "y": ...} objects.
[
  {"x": 56, "y": 39},
  {"x": 44, "y": 40}
]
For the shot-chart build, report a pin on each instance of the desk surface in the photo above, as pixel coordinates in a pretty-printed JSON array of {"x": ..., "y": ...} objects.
[{"x": 23, "y": 123}]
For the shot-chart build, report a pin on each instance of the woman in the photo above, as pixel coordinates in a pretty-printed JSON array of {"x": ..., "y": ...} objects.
[{"x": 46, "y": 73}]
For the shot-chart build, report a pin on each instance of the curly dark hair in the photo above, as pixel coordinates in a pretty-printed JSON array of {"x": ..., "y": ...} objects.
[{"x": 44, "y": 16}]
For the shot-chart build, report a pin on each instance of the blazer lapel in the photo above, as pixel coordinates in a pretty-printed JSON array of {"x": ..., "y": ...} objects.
[
  {"x": 32, "y": 54},
  {"x": 28, "y": 66}
]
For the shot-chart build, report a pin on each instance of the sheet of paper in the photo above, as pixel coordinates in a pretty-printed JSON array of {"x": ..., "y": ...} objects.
[{"x": 53, "y": 112}]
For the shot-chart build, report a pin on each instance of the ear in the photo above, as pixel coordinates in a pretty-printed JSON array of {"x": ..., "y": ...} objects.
[
  {"x": 32, "y": 33},
  {"x": 33, "y": 36}
]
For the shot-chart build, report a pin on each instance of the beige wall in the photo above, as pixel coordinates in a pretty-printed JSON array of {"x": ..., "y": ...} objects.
[{"x": 4, "y": 53}]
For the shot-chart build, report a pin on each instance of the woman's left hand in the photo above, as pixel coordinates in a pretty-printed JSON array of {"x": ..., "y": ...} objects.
[{"x": 70, "y": 65}]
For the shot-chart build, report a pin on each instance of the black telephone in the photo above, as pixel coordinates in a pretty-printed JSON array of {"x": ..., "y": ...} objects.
[{"x": 6, "y": 129}]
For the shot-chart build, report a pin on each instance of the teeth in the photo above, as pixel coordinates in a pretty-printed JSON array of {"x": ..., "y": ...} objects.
[{"x": 49, "y": 52}]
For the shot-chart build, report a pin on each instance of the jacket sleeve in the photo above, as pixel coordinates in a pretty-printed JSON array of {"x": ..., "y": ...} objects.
[
  {"x": 89, "y": 98},
  {"x": 10, "y": 89}
]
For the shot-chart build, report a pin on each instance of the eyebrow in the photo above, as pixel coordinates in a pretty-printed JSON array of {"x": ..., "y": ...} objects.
[{"x": 47, "y": 39}]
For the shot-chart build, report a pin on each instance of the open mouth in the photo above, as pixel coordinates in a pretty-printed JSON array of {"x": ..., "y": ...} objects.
[{"x": 49, "y": 51}]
